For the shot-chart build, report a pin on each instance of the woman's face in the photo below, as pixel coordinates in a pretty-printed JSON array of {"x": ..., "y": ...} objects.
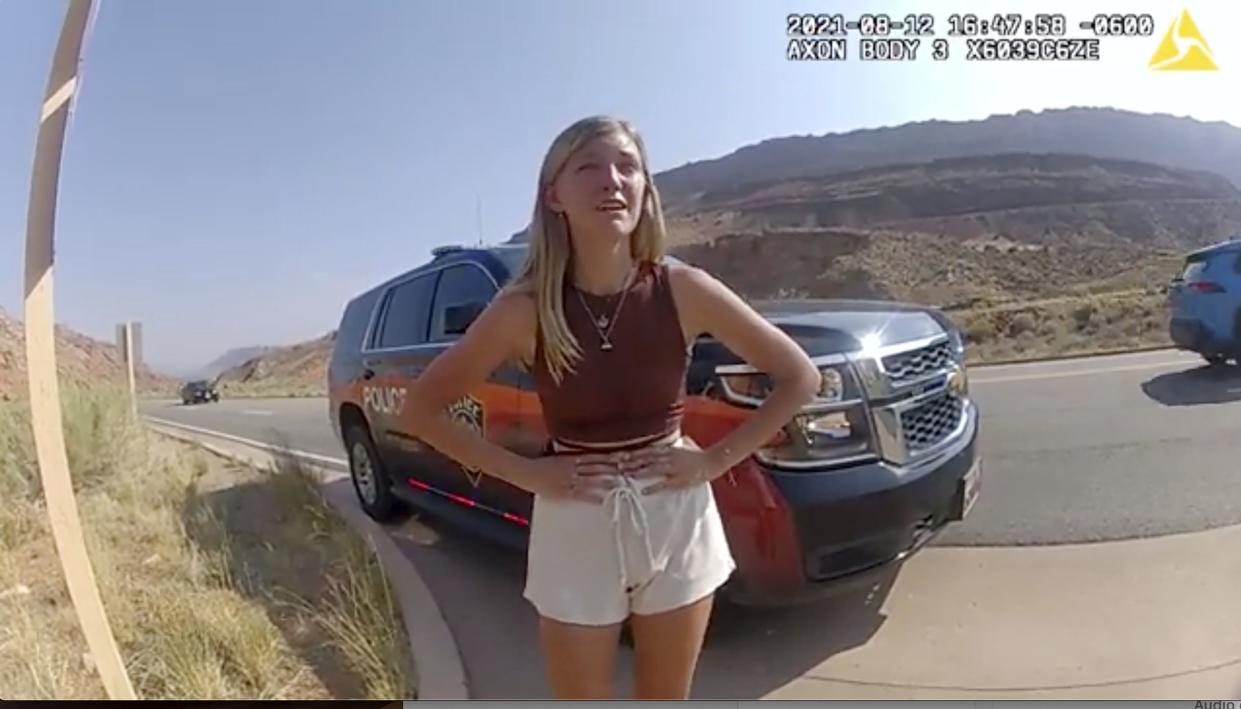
[{"x": 601, "y": 187}]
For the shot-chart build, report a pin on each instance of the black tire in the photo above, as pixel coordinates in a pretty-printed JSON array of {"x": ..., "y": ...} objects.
[{"x": 370, "y": 480}]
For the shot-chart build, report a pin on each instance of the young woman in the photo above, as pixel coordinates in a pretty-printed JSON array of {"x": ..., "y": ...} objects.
[{"x": 624, "y": 525}]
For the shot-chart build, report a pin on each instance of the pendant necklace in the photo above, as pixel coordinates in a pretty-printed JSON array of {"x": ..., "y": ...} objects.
[{"x": 602, "y": 323}]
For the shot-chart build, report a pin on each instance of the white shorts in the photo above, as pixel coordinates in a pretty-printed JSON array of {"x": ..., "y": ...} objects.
[{"x": 595, "y": 564}]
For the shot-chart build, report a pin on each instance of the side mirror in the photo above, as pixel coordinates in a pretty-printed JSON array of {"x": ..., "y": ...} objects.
[{"x": 457, "y": 318}]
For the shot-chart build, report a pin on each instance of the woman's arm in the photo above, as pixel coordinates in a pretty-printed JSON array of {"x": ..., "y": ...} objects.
[
  {"x": 706, "y": 305},
  {"x": 495, "y": 337},
  {"x": 504, "y": 331}
]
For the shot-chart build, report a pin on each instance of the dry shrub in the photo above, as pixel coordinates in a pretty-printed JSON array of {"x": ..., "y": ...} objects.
[
  {"x": 355, "y": 615},
  {"x": 187, "y": 624},
  {"x": 979, "y": 329},
  {"x": 1022, "y": 324},
  {"x": 102, "y": 438},
  {"x": 1064, "y": 326},
  {"x": 356, "y": 609},
  {"x": 1084, "y": 314},
  {"x": 209, "y": 644},
  {"x": 17, "y": 462}
]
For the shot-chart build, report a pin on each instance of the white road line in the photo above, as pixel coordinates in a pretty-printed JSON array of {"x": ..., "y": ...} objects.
[
  {"x": 256, "y": 412},
  {"x": 1077, "y": 373},
  {"x": 251, "y": 442}
]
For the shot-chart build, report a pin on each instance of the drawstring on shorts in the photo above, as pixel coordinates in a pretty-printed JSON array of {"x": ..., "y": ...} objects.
[
  {"x": 624, "y": 505},
  {"x": 627, "y": 492},
  {"x": 574, "y": 578}
]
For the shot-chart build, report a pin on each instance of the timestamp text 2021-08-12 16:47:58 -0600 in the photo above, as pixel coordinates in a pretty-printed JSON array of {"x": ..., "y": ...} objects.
[{"x": 1002, "y": 38}]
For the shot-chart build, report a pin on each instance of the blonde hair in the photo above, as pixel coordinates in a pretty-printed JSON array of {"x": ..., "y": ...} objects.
[{"x": 550, "y": 250}]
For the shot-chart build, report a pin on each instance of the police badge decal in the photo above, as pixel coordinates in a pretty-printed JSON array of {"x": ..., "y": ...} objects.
[{"x": 469, "y": 412}]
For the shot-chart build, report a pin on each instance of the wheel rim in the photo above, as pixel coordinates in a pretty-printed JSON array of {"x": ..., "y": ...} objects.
[{"x": 364, "y": 473}]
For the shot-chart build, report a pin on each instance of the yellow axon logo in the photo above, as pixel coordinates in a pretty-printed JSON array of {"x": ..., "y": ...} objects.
[
  {"x": 469, "y": 412},
  {"x": 1183, "y": 48},
  {"x": 387, "y": 400}
]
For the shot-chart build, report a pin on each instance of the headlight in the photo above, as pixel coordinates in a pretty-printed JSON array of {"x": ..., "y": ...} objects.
[
  {"x": 753, "y": 388},
  {"x": 958, "y": 342},
  {"x": 814, "y": 439},
  {"x": 833, "y": 427}
]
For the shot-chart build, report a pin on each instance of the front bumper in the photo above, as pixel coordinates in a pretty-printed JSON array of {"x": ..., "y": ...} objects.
[{"x": 846, "y": 528}]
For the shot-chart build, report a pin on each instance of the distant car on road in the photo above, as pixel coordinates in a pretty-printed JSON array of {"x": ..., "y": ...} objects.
[
  {"x": 1205, "y": 300},
  {"x": 199, "y": 391},
  {"x": 883, "y": 460}
]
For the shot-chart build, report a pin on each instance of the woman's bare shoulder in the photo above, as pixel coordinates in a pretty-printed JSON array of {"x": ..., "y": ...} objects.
[
  {"x": 685, "y": 276},
  {"x": 695, "y": 291},
  {"x": 694, "y": 286},
  {"x": 517, "y": 309}
]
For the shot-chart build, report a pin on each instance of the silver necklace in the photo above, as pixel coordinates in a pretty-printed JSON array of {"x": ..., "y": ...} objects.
[{"x": 602, "y": 323}]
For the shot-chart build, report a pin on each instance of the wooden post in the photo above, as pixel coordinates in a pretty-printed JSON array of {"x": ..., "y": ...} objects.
[
  {"x": 45, "y": 413},
  {"x": 129, "y": 368}
]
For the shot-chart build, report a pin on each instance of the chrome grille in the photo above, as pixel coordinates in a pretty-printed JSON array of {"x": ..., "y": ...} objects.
[
  {"x": 905, "y": 367},
  {"x": 929, "y": 424}
]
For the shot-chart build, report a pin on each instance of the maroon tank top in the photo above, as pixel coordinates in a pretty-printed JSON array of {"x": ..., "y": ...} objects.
[{"x": 634, "y": 390}]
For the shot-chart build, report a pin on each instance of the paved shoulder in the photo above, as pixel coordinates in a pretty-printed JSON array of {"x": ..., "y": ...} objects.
[{"x": 1104, "y": 449}]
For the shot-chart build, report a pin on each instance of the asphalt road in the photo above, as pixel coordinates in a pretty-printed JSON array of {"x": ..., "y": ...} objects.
[{"x": 1099, "y": 449}]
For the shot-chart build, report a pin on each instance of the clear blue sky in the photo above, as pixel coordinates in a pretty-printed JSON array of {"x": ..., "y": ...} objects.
[{"x": 236, "y": 170}]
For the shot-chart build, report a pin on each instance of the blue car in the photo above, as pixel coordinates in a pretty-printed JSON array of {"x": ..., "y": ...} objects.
[{"x": 1206, "y": 303}]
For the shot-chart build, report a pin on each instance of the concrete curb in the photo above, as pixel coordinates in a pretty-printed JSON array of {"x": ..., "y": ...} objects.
[{"x": 437, "y": 659}]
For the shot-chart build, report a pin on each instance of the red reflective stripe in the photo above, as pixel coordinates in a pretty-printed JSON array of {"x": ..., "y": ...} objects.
[{"x": 467, "y": 502}]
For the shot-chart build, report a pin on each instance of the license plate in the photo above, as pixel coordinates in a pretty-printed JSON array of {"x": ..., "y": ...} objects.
[{"x": 971, "y": 484}]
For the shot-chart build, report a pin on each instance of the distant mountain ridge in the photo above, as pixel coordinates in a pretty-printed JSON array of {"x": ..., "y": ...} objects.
[
  {"x": 81, "y": 360},
  {"x": 298, "y": 369},
  {"x": 1107, "y": 133},
  {"x": 230, "y": 359},
  {"x": 1037, "y": 198}
]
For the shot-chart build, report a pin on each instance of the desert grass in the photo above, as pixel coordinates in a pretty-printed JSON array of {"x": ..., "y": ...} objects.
[
  {"x": 1066, "y": 326},
  {"x": 195, "y": 612}
]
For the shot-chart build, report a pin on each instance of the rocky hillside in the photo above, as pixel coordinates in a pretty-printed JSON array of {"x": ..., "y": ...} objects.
[
  {"x": 80, "y": 360},
  {"x": 229, "y": 360},
  {"x": 999, "y": 227},
  {"x": 1097, "y": 132},
  {"x": 297, "y": 370}
]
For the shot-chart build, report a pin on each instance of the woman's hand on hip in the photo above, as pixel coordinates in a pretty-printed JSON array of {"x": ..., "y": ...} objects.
[
  {"x": 585, "y": 478},
  {"x": 671, "y": 467}
]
